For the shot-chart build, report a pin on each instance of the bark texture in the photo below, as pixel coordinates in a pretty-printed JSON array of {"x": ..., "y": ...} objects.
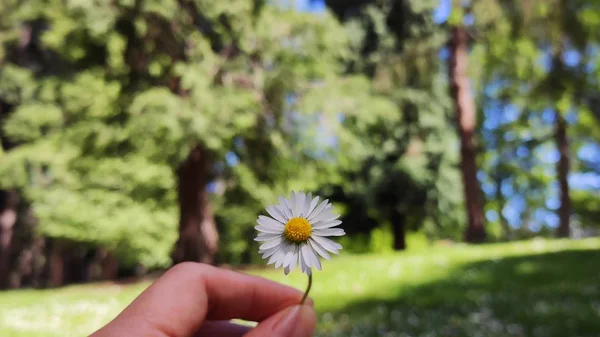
[
  {"x": 466, "y": 118},
  {"x": 198, "y": 236}
]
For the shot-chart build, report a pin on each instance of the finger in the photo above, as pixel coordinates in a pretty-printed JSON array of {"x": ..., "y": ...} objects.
[
  {"x": 221, "y": 329},
  {"x": 189, "y": 293},
  {"x": 295, "y": 321}
]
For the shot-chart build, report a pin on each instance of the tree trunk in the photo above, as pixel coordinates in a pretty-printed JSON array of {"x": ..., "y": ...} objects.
[
  {"x": 9, "y": 200},
  {"x": 56, "y": 264},
  {"x": 37, "y": 273},
  {"x": 399, "y": 229},
  {"x": 562, "y": 169},
  {"x": 466, "y": 117},
  {"x": 100, "y": 265},
  {"x": 109, "y": 264},
  {"x": 501, "y": 202},
  {"x": 198, "y": 236}
]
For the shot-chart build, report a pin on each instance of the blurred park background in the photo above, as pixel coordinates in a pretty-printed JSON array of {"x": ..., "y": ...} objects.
[{"x": 460, "y": 141}]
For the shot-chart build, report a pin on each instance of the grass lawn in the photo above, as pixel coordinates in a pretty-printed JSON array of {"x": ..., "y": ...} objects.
[{"x": 546, "y": 288}]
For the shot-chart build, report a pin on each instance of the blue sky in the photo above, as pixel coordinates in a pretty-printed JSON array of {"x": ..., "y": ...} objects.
[
  {"x": 310, "y": 5},
  {"x": 443, "y": 11}
]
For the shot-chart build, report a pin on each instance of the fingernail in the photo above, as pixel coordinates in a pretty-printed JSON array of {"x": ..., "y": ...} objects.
[{"x": 298, "y": 321}]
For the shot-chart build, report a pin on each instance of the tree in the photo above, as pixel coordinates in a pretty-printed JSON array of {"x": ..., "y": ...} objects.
[
  {"x": 549, "y": 98},
  {"x": 562, "y": 169},
  {"x": 466, "y": 120},
  {"x": 403, "y": 151},
  {"x": 132, "y": 109},
  {"x": 563, "y": 85},
  {"x": 8, "y": 218},
  {"x": 198, "y": 237},
  {"x": 14, "y": 219},
  {"x": 9, "y": 200},
  {"x": 464, "y": 104},
  {"x": 557, "y": 75}
]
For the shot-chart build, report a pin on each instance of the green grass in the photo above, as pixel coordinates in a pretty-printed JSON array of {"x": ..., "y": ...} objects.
[{"x": 547, "y": 288}]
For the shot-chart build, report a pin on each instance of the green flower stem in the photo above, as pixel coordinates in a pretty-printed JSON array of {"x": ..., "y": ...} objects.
[{"x": 307, "y": 289}]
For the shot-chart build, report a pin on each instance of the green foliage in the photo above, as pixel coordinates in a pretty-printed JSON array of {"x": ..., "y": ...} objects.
[
  {"x": 360, "y": 243},
  {"x": 381, "y": 240},
  {"x": 512, "y": 77},
  {"x": 586, "y": 205},
  {"x": 105, "y": 99},
  {"x": 109, "y": 97},
  {"x": 397, "y": 154}
]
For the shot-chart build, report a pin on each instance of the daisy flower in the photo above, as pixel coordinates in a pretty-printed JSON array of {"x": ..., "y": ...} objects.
[{"x": 296, "y": 233}]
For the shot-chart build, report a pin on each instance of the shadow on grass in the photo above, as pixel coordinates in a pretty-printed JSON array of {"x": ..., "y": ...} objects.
[{"x": 547, "y": 295}]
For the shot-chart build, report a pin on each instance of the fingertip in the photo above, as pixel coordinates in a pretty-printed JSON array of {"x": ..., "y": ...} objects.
[
  {"x": 294, "y": 321},
  {"x": 306, "y": 320},
  {"x": 309, "y": 301}
]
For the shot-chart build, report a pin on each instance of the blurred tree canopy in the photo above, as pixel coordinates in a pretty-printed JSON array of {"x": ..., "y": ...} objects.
[
  {"x": 403, "y": 161},
  {"x": 122, "y": 110},
  {"x": 536, "y": 68},
  {"x": 139, "y": 133}
]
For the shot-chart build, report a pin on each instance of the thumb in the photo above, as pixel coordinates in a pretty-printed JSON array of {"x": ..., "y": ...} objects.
[{"x": 295, "y": 321}]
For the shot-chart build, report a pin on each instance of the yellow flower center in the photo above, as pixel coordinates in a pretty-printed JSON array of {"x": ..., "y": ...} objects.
[{"x": 297, "y": 230}]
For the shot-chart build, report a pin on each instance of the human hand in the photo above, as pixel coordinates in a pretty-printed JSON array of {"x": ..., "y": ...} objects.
[{"x": 197, "y": 300}]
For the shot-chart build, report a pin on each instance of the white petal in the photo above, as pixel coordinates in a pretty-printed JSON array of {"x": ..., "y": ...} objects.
[
  {"x": 300, "y": 198},
  {"x": 327, "y": 215},
  {"x": 279, "y": 262},
  {"x": 268, "y": 230},
  {"x": 289, "y": 255},
  {"x": 269, "y": 252},
  {"x": 295, "y": 259},
  {"x": 287, "y": 249},
  {"x": 329, "y": 232},
  {"x": 276, "y": 257},
  {"x": 327, "y": 244},
  {"x": 286, "y": 270},
  {"x": 266, "y": 236},
  {"x": 312, "y": 260},
  {"x": 303, "y": 266},
  {"x": 286, "y": 213},
  {"x": 269, "y": 222},
  {"x": 307, "y": 260},
  {"x": 277, "y": 214},
  {"x": 326, "y": 224},
  {"x": 317, "y": 248},
  {"x": 306, "y": 206},
  {"x": 315, "y": 257},
  {"x": 271, "y": 244},
  {"x": 285, "y": 207},
  {"x": 292, "y": 204},
  {"x": 318, "y": 210},
  {"x": 313, "y": 204}
]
